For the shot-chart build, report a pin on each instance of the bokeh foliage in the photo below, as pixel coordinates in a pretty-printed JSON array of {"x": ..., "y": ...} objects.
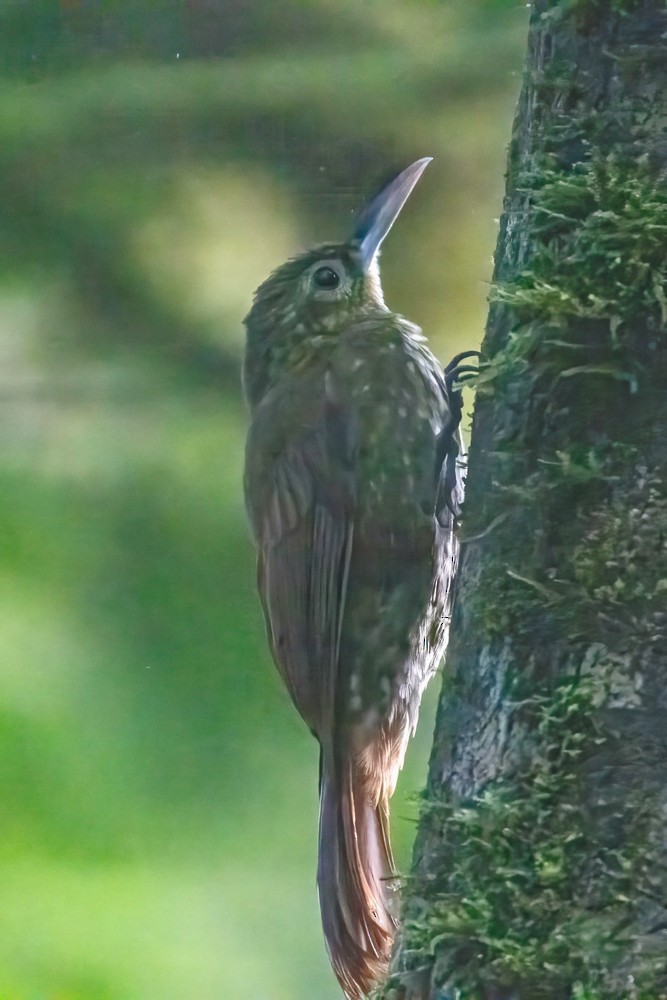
[{"x": 158, "y": 822}]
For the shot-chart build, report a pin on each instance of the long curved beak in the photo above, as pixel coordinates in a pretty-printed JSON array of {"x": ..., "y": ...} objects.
[{"x": 377, "y": 218}]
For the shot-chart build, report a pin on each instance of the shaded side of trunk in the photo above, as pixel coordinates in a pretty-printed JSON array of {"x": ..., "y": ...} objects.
[{"x": 541, "y": 859}]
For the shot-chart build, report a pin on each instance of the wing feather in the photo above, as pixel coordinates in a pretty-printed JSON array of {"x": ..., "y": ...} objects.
[{"x": 304, "y": 532}]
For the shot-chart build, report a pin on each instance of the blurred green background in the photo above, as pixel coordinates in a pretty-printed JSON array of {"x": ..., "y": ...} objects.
[{"x": 158, "y": 793}]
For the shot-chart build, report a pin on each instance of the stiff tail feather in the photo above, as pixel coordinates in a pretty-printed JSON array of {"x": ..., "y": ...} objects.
[{"x": 354, "y": 865}]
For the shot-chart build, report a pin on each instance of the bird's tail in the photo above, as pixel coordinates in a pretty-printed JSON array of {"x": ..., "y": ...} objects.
[{"x": 354, "y": 865}]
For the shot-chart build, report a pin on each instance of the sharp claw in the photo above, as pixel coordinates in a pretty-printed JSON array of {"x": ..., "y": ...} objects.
[
  {"x": 457, "y": 375},
  {"x": 458, "y": 358}
]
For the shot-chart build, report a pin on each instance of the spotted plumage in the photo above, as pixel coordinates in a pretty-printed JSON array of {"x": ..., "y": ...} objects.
[{"x": 353, "y": 485}]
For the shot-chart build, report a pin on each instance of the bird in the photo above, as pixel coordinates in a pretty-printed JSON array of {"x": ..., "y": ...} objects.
[{"x": 354, "y": 476}]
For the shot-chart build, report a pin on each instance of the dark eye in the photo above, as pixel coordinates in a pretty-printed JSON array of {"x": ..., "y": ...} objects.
[{"x": 326, "y": 277}]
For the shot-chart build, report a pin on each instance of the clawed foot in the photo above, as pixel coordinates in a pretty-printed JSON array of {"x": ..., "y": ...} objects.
[{"x": 457, "y": 373}]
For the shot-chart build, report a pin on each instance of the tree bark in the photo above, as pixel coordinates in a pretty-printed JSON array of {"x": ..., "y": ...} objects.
[{"x": 540, "y": 867}]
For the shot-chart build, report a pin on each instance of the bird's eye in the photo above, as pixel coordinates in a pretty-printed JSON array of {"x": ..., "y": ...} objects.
[{"x": 326, "y": 277}]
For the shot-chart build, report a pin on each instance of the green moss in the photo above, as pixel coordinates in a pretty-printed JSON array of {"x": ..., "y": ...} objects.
[
  {"x": 506, "y": 601},
  {"x": 612, "y": 544},
  {"x": 599, "y": 233},
  {"x": 587, "y": 14},
  {"x": 511, "y": 602},
  {"x": 528, "y": 890},
  {"x": 617, "y": 563},
  {"x": 523, "y": 889}
]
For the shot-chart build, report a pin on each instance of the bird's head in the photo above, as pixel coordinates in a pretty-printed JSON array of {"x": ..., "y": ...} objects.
[{"x": 321, "y": 291}]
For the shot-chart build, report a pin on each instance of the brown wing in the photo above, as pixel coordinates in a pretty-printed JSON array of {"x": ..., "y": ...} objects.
[{"x": 300, "y": 494}]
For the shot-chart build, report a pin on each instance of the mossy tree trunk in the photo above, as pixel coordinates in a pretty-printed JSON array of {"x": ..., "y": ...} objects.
[{"x": 541, "y": 858}]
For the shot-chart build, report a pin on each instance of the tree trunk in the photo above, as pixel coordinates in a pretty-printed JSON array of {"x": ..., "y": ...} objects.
[{"x": 540, "y": 866}]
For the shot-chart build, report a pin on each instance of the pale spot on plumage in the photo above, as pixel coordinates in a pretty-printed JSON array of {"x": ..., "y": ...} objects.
[
  {"x": 329, "y": 387},
  {"x": 330, "y": 322}
]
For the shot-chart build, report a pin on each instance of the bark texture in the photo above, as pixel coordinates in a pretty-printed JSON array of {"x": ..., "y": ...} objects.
[{"x": 540, "y": 866}]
